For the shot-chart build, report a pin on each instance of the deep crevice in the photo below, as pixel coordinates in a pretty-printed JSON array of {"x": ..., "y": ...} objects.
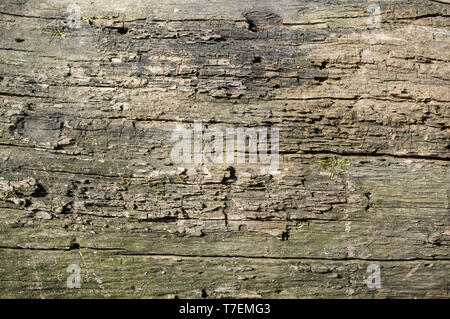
[{"x": 362, "y": 154}]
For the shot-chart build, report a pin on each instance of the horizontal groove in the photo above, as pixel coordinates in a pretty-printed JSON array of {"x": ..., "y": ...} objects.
[
  {"x": 362, "y": 154},
  {"x": 283, "y": 258},
  {"x": 300, "y": 152},
  {"x": 28, "y": 16},
  {"x": 119, "y": 252}
]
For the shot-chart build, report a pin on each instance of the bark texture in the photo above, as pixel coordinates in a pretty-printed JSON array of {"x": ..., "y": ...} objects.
[{"x": 86, "y": 176}]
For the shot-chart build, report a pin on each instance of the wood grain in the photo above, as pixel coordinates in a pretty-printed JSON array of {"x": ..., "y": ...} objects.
[{"x": 86, "y": 175}]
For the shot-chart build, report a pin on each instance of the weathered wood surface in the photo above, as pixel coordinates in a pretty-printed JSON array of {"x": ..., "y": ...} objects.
[{"x": 86, "y": 176}]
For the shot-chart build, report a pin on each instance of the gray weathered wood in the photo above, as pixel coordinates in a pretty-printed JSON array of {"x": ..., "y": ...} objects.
[{"x": 86, "y": 176}]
